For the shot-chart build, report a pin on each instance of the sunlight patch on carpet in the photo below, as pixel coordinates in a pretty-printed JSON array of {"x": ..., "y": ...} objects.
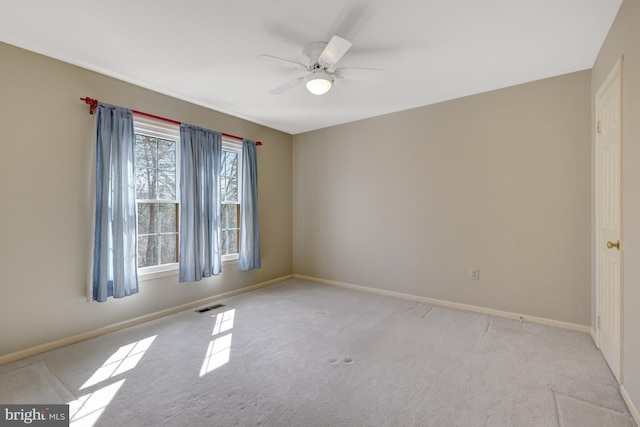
[
  {"x": 123, "y": 360},
  {"x": 219, "y": 350},
  {"x": 224, "y": 321},
  {"x": 85, "y": 411}
]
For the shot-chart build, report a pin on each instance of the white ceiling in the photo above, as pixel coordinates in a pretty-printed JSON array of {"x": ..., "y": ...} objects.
[{"x": 205, "y": 51}]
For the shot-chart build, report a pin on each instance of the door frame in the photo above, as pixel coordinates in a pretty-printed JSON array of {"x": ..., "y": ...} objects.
[{"x": 615, "y": 72}]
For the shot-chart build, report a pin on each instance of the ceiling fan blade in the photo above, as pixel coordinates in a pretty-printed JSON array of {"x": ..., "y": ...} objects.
[
  {"x": 282, "y": 62},
  {"x": 336, "y": 48},
  {"x": 366, "y": 74},
  {"x": 288, "y": 85},
  {"x": 352, "y": 19}
]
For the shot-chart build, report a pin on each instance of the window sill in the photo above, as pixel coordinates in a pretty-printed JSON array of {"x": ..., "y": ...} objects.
[
  {"x": 172, "y": 270},
  {"x": 231, "y": 260}
]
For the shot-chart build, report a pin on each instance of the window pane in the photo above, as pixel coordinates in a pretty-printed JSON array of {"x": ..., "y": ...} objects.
[
  {"x": 146, "y": 151},
  {"x": 168, "y": 223},
  {"x": 231, "y": 191},
  {"x": 230, "y": 166},
  {"x": 223, "y": 242},
  {"x": 236, "y": 217},
  {"x": 166, "y": 184},
  {"x": 233, "y": 163},
  {"x": 232, "y": 242},
  {"x": 168, "y": 248},
  {"x": 224, "y": 162},
  {"x": 230, "y": 216},
  {"x": 166, "y": 154},
  {"x": 223, "y": 216},
  {"x": 147, "y": 218},
  {"x": 147, "y": 251},
  {"x": 145, "y": 183},
  {"x": 223, "y": 188}
]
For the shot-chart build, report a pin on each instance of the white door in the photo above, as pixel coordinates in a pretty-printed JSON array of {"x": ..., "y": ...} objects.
[{"x": 608, "y": 220}]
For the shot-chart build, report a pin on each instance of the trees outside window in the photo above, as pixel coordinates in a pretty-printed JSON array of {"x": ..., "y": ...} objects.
[{"x": 156, "y": 194}]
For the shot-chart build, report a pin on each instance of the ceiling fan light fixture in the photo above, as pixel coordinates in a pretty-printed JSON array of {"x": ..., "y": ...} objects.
[{"x": 319, "y": 83}]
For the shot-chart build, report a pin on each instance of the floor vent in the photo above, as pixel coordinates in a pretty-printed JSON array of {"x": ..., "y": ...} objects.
[{"x": 213, "y": 307}]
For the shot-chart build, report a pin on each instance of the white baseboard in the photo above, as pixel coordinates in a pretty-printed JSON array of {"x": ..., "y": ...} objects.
[
  {"x": 456, "y": 305},
  {"x": 12, "y": 357},
  {"x": 632, "y": 408},
  {"x": 594, "y": 337}
]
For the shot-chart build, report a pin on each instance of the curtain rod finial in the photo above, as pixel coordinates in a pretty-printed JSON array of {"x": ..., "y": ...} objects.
[{"x": 93, "y": 103}]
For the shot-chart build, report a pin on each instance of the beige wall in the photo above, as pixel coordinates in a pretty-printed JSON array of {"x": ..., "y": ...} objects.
[
  {"x": 409, "y": 202},
  {"x": 406, "y": 202},
  {"x": 45, "y": 134},
  {"x": 623, "y": 39}
]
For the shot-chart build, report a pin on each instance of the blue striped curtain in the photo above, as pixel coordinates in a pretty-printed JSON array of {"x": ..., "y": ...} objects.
[
  {"x": 115, "y": 270},
  {"x": 200, "y": 162},
  {"x": 249, "y": 257}
]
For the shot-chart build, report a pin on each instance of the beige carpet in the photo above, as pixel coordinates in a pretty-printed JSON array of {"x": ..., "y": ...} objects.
[
  {"x": 304, "y": 354},
  {"x": 33, "y": 384}
]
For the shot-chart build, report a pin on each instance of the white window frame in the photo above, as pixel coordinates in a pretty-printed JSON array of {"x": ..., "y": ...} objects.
[
  {"x": 235, "y": 146},
  {"x": 165, "y": 130}
]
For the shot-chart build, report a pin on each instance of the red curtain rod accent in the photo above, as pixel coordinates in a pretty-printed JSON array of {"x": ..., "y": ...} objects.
[{"x": 93, "y": 104}]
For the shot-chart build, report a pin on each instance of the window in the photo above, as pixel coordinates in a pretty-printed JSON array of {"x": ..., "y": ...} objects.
[
  {"x": 157, "y": 193},
  {"x": 157, "y": 158},
  {"x": 230, "y": 196}
]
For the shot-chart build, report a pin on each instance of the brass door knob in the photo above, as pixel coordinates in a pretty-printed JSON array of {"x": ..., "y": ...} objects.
[{"x": 612, "y": 245}]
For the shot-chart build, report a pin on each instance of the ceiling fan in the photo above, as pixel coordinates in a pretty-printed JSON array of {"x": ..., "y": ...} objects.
[{"x": 319, "y": 60}]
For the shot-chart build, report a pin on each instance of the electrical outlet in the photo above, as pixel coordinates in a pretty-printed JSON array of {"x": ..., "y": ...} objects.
[{"x": 474, "y": 274}]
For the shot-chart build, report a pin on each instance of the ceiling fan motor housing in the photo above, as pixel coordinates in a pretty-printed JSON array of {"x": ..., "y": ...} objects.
[
  {"x": 320, "y": 59},
  {"x": 311, "y": 53}
]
